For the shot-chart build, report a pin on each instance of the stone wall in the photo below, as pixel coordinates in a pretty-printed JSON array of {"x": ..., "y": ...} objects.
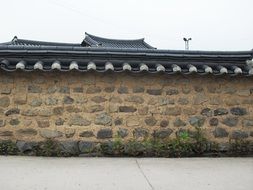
[{"x": 97, "y": 107}]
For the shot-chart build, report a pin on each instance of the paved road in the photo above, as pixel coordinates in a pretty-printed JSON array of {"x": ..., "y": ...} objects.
[{"x": 36, "y": 173}]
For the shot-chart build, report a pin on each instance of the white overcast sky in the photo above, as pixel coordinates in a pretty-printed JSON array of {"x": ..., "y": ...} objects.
[{"x": 213, "y": 24}]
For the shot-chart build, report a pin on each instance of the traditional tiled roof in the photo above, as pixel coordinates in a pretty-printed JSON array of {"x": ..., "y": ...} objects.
[
  {"x": 30, "y": 55},
  {"x": 95, "y": 41},
  {"x": 22, "y": 42}
]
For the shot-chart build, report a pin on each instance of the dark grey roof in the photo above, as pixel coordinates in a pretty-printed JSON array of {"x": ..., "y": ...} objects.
[
  {"x": 23, "y": 42},
  {"x": 95, "y": 41},
  {"x": 30, "y": 55}
]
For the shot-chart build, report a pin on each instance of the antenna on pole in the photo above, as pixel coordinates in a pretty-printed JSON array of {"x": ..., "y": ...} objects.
[{"x": 186, "y": 41}]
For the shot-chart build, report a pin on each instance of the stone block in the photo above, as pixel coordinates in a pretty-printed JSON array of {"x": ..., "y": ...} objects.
[
  {"x": 123, "y": 90},
  {"x": 78, "y": 120},
  {"x": 43, "y": 123},
  {"x": 27, "y": 132},
  {"x": 93, "y": 90},
  {"x": 238, "y": 111},
  {"x": 127, "y": 109},
  {"x": 134, "y": 99},
  {"x": 86, "y": 134},
  {"x": 104, "y": 134},
  {"x": 4, "y": 101},
  {"x": 12, "y": 111},
  {"x": 154, "y": 92},
  {"x": 220, "y": 132},
  {"x": 103, "y": 119},
  {"x": 48, "y": 133},
  {"x": 162, "y": 133}
]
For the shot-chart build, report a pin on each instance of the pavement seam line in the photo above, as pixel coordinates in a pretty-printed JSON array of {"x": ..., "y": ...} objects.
[{"x": 138, "y": 165}]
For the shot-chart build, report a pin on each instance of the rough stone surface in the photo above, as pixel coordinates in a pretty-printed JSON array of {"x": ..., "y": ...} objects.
[
  {"x": 186, "y": 90},
  {"x": 122, "y": 133},
  {"x": 69, "y": 132},
  {"x": 6, "y": 91},
  {"x": 20, "y": 99},
  {"x": 143, "y": 101},
  {"x": 103, "y": 119},
  {"x": 14, "y": 121},
  {"x": 58, "y": 110},
  {"x": 215, "y": 101},
  {"x": 30, "y": 112},
  {"x": 86, "y": 134},
  {"x": 197, "y": 121},
  {"x": 73, "y": 109},
  {"x": 200, "y": 99},
  {"x": 213, "y": 122},
  {"x": 27, "y": 132},
  {"x": 118, "y": 121},
  {"x": 98, "y": 99},
  {"x": 64, "y": 90},
  {"x": 244, "y": 92},
  {"x": 231, "y": 102},
  {"x": 183, "y": 101},
  {"x": 104, "y": 134},
  {"x": 220, "y": 132},
  {"x": 173, "y": 111},
  {"x": 230, "y": 121},
  {"x": 94, "y": 108},
  {"x": 220, "y": 111},
  {"x": 207, "y": 112},
  {"x": 238, "y": 111},
  {"x": 162, "y": 133},
  {"x": 150, "y": 121},
  {"x": 140, "y": 133},
  {"x": 123, "y": 90},
  {"x": 47, "y": 133},
  {"x": 164, "y": 123},
  {"x": 93, "y": 90},
  {"x": 12, "y": 111},
  {"x": 36, "y": 102},
  {"x": 109, "y": 89},
  {"x": 239, "y": 134},
  {"x": 69, "y": 147},
  {"x": 4, "y": 101},
  {"x": 127, "y": 109},
  {"x": 78, "y": 120},
  {"x": 34, "y": 89},
  {"x": 154, "y": 92},
  {"x": 143, "y": 110},
  {"x": 45, "y": 112},
  {"x": 138, "y": 89},
  {"x": 2, "y": 123},
  {"x": 198, "y": 88},
  {"x": 24, "y": 146},
  {"x": 78, "y": 90},
  {"x": 179, "y": 123},
  {"x": 132, "y": 121},
  {"x": 189, "y": 111},
  {"x": 135, "y": 99},
  {"x": 43, "y": 123},
  {"x": 248, "y": 123},
  {"x": 172, "y": 92},
  {"x": 115, "y": 99},
  {"x": 52, "y": 89},
  {"x": 6, "y": 133},
  {"x": 68, "y": 100},
  {"x": 51, "y": 101},
  {"x": 59, "y": 121},
  {"x": 86, "y": 146}
]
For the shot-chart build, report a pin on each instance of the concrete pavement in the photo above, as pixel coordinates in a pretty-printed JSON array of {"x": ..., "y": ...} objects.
[{"x": 37, "y": 173}]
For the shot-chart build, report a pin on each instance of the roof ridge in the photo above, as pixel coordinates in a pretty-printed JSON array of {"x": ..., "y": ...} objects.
[
  {"x": 102, "y": 38},
  {"x": 18, "y": 41}
]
